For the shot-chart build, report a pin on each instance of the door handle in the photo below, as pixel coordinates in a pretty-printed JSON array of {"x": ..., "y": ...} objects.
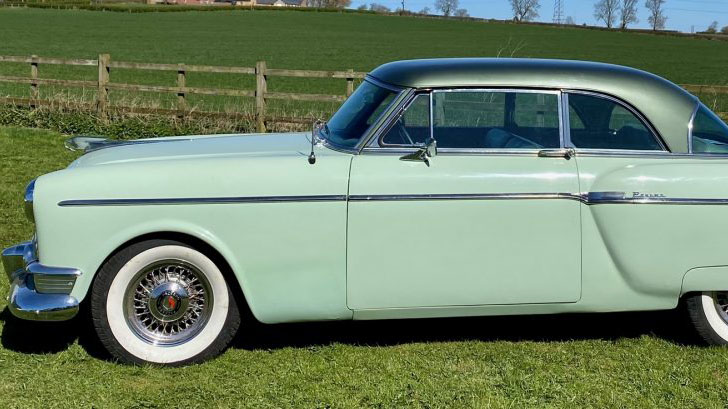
[{"x": 567, "y": 153}]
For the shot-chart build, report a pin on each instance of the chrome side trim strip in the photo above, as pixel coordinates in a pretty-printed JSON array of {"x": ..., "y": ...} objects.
[
  {"x": 201, "y": 200},
  {"x": 467, "y": 196},
  {"x": 591, "y": 198}
]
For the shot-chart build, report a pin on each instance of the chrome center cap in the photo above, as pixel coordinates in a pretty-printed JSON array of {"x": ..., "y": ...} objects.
[{"x": 168, "y": 302}]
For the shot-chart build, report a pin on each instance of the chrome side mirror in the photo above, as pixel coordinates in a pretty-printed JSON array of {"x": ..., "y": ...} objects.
[{"x": 424, "y": 153}]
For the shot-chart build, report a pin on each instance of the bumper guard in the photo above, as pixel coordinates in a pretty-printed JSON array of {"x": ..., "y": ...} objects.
[{"x": 38, "y": 292}]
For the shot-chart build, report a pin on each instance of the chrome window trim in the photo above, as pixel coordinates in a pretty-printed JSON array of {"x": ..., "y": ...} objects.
[
  {"x": 566, "y": 129},
  {"x": 623, "y": 104},
  {"x": 384, "y": 120},
  {"x": 403, "y": 149},
  {"x": 691, "y": 124},
  {"x": 378, "y": 142}
]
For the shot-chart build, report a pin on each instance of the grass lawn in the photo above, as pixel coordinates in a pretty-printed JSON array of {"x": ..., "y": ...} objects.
[
  {"x": 326, "y": 41},
  {"x": 599, "y": 361}
]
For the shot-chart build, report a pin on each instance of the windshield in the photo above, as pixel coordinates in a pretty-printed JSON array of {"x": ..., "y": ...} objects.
[{"x": 358, "y": 113}]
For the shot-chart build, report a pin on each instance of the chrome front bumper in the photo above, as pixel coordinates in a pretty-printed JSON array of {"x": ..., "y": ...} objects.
[{"x": 38, "y": 292}]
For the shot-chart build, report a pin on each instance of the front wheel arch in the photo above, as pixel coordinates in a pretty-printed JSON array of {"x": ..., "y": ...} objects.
[{"x": 197, "y": 244}]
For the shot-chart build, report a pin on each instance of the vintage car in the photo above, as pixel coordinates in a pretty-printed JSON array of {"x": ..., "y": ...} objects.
[{"x": 440, "y": 188}]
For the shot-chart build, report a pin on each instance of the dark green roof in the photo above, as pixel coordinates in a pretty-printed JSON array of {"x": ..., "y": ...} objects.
[{"x": 665, "y": 104}]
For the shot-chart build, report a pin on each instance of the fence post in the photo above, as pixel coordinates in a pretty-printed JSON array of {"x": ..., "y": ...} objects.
[
  {"x": 181, "y": 84},
  {"x": 350, "y": 83},
  {"x": 102, "y": 95},
  {"x": 260, "y": 90},
  {"x": 34, "y": 94}
]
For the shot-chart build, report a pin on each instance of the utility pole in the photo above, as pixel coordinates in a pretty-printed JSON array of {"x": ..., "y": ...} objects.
[{"x": 559, "y": 11}]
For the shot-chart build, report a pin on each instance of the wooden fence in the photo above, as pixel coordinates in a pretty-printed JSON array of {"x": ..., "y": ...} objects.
[
  {"x": 104, "y": 84},
  {"x": 261, "y": 94}
]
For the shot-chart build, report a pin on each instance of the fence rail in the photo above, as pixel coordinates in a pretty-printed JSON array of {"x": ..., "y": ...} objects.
[{"x": 103, "y": 85}]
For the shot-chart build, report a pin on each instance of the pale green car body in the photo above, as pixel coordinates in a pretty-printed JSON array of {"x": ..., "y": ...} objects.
[{"x": 361, "y": 234}]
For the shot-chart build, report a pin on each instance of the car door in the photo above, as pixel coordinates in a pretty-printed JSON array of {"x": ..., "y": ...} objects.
[{"x": 493, "y": 218}]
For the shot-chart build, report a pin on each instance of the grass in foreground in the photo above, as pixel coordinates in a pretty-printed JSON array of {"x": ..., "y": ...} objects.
[{"x": 599, "y": 361}]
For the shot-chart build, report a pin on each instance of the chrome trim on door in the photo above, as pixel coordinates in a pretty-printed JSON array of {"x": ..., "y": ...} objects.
[{"x": 466, "y": 196}]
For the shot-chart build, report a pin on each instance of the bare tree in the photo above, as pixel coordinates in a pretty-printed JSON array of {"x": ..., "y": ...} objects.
[
  {"x": 724, "y": 30},
  {"x": 628, "y": 13},
  {"x": 379, "y": 8},
  {"x": 363, "y": 7},
  {"x": 447, "y": 7},
  {"x": 606, "y": 11},
  {"x": 425, "y": 11},
  {"x": 525, "y": 10},
  {"x": 712, "y": 28},
  {"x": 461, "y": 13},
  {"x": 570, "y": 21},
  {"x": 657, "y": 18}
]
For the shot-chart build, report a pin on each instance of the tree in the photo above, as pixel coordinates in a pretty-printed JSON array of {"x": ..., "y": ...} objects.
[
  {"x": 329, "y": 4},
  {"x": 628, "y": 13},
  {"x": 712, "y": 28},
  {"x": 379, "y": 8},
  {"x": 363, "y": 7},
  {"x": 724, "y": 30},
  {"x": 461, "y": 13},
  {"x": 425, "y": 11},
  {"x": 657, "y": 18},
  {"x": 525, "y": 10},
  {"x": 447, "y": 7},
  {"x": 606, "y": 11},
  {"x": 570, "y": 21}
]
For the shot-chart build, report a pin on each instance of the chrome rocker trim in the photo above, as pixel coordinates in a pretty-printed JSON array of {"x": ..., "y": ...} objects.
[{"x": 38, "y": 292}]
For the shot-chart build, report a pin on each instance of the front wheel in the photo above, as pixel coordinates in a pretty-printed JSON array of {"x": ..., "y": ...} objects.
[
  {"x": 163, "y": 302},
  {"x": 708, "y": 312}
]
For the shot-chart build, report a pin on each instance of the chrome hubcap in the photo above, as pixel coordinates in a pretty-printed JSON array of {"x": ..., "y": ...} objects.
[{"x": 168, "y": 302}]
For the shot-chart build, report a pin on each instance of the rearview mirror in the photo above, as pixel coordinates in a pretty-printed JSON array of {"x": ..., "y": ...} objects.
[{"x": 424, "y": 153}]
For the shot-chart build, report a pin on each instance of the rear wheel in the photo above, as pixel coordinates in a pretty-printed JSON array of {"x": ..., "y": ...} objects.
[
  {"x": 709, "y": 314},
  {"x": 163, "y": 302}
]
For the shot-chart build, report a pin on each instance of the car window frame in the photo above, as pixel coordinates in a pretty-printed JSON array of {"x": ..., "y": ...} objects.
[
  {"x": 591, "y": 151},
  {"x": 691, "y": 126},
  {"x": 375, "y": 145}
]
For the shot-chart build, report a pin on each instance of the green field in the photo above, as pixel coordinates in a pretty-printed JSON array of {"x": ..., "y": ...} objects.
[
  {"x": 633, "y": 360},
  {"x": 326, "y": 41}
]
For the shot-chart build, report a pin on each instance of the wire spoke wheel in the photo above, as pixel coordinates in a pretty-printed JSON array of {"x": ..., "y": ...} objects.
[
  {"x": 720, "y": 299},
  {"x": 168, "y": 302}
]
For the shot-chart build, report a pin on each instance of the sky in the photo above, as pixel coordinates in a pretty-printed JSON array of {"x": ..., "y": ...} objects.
[{"x": 682, "y": 15}]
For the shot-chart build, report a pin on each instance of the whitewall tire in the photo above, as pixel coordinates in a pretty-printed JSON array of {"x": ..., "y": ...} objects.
[
  {"x": 163, "y": 302},
  {"x": 709, "y": 314}
]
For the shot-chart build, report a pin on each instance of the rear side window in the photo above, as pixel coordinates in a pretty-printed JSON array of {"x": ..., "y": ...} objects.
[
  {"x": 710, "y": 133},
  {"x": 601, "y": 123}
]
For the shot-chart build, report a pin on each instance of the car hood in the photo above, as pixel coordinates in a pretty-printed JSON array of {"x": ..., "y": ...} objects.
[{"x": 199, "y": 146}]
